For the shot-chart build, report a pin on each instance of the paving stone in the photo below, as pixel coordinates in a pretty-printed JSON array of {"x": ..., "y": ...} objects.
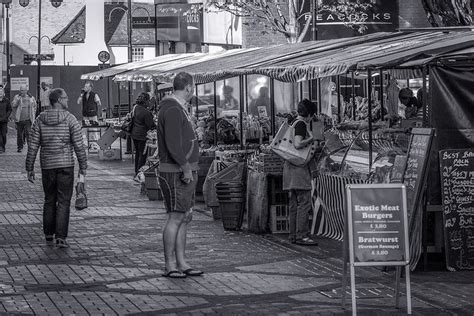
[{"x": 115, "y": 261}]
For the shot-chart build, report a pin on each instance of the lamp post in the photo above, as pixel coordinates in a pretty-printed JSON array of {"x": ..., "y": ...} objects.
[
  {"x": 6, "y": 4},
  {"x": 129, "y": 43},
  {"x": 56, "y": 4}
]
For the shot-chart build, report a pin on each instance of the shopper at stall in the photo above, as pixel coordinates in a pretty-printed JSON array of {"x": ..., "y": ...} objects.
[
  {"x": 58, "y": 133},
  {"x": 24, "y": 107},
  {"x": 5, "y": 111},
  {"x": 142, "y": 123},
  {"x": 179, "y": 156},
  {"x": 297, "y": 179},
  {"x": 229, "y": 102},
  {"x": 412, "y": 106},
  {"x": 260, "y": 107}
]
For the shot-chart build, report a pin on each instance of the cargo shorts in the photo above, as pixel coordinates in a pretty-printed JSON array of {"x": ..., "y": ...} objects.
[{"x": 178, "y": 196}]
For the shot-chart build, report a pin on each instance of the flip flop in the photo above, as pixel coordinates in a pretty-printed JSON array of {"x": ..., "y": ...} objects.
[
  {"x": 192, "y": 272},
  {"x": 306, "y": 242},
  {"x": 174, "y": 274}
]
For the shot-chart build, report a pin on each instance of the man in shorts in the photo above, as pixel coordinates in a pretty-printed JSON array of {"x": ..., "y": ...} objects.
[{"x": 179, "y": 156}]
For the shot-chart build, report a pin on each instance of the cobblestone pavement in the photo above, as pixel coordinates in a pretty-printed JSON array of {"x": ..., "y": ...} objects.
[{"x": 115, "y": 261}]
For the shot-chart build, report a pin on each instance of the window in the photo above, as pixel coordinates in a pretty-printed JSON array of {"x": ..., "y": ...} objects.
[{"x": 137, "y": 53}]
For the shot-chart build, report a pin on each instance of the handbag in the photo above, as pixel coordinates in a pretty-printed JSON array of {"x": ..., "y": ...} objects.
[
  {"x": 81, "y": 197},
  {"x": 127, "y": 124},
  {"x": 283, "y": 146}
]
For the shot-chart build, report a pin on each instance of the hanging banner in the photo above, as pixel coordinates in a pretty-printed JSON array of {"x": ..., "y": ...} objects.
[{"x": 371, "y": 16}]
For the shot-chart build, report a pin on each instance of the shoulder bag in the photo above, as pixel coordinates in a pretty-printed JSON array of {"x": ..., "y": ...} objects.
[
  {"x": 283, "y": 146},
  {"x": 127, "y": 124}
]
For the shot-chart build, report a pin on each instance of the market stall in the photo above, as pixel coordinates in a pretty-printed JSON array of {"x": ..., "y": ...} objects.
[{"x": 364, "y": 133}]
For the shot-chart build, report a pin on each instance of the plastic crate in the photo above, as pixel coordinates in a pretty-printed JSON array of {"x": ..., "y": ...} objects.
[
  {"x": 275, "y": 191},
  {"x": 279, "y": 219},
  {"x": 232, "y": 214}
]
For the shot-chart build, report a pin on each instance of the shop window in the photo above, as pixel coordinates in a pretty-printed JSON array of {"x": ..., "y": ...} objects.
[{"x": 137, "y": 53}]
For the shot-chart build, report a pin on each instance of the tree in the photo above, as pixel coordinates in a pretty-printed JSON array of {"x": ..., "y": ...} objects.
[
  {"x": 448, "y": 12},
  {"x": 289, "y": 17}
]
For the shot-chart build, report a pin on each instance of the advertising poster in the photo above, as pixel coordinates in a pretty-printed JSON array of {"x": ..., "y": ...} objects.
[{"x": 377, "y": 217}]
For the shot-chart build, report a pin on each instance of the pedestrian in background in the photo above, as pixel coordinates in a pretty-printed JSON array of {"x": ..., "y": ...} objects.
[
  {"x": 90, "y": 102},
  {"x": 5, "y": 111},
  {"x": 58, "y": 133},
  {"x": 297, "y": 179},
  {"x": 142, "y": 123},
  {"x": 178, "y": 152},
  {"x": 44, "y": 96},
  {"x": 24, "y": 106}
]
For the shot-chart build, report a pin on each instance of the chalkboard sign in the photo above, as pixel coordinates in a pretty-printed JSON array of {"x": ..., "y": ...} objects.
[
  {"x": 457, "y": 184},
  {"x": 377, "y": 222},
  {"x": 416, "y": 165}
]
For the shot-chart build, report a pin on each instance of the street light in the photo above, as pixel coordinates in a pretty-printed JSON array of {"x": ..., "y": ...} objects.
[
  {"x": 129, "y": 44},
  {"x": 25, "y": 3},
  {"x": 6, "y": 3}
]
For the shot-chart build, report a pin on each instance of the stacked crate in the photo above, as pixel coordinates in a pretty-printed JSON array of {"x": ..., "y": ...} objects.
[{"x": 279, "y": 212}]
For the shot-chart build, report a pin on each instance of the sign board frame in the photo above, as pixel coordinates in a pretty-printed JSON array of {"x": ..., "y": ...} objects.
[{"x": 349, "y": 242}]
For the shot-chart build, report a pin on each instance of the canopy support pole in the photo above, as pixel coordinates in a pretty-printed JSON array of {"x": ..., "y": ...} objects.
[
  {"x": 318, "y": 93},
  {"x": 119, "y": 101},
  {"x": 215, "y": 114},
  {"x": 241, "y": 111},
  {"x": 353, "y": 96},
  {"x": 425, "y": 96},
  {"x": 381, "y": 95},
  {"x": 338, "y": 88},
  {"x": 369, "y": 97},
  {"x": 272, "y": 105}
]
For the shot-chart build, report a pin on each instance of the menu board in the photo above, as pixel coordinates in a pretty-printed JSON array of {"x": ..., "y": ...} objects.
[
  {"x": 377, "y": 223},
  {"x": 416, "y": 164},
  {"x": 457, "y": 184}
]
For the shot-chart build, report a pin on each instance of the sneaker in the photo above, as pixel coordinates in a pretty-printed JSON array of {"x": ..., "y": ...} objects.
[
  {"x": 19, "y": 150},
  {"x": 49, "y": 240},
  {"x": 61, "y": 243}
]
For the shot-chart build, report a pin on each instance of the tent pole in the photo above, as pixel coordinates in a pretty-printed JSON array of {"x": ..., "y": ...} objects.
[
  {"x": 338, "y": 88},
  {"x": 241, "y": 110},
  {"x": 369, "y": 96},
  {"x": 425, "y": 96},
  {"x": 381, "y": 95},
  {"x": 118, "y": 108},
  {"x": 318, "y": 93},
  {"x": 215, "y": 114},
  {"x": 353, "y": 96},
  {"x": 272, "y": 105},
  {"x": 197, "y": 101}
]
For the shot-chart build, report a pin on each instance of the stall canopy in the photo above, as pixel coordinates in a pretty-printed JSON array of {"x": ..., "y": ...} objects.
[{"x": 301, "y": 61}]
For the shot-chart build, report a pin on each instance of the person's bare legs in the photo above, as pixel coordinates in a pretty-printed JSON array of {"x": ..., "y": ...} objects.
[
  {"x": 181, "y": 241},
  {"x": 170, "y": 238}
]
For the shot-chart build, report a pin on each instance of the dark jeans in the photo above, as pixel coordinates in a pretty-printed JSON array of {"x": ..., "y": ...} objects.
[
  {"x": 23, "y": 129},
  {"x": 3, "y": 135},
  {"x": 299, "y": 207},
  {"x": 140, "y": 154},
  {"x": 58, "y": 187}
]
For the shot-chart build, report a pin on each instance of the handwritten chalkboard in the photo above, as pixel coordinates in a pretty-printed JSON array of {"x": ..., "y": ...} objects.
[
  {"x": 457, "y": 184},
  {"x": 414, "y": 179},
  {"x": 416, "y": 164}
]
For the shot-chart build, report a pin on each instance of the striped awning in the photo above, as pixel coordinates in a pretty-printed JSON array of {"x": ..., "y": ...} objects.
[{"x": 301, "y": 61}]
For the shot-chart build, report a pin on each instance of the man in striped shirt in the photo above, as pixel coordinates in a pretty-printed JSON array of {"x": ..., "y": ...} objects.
[{"x": 58, "y": 133}]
